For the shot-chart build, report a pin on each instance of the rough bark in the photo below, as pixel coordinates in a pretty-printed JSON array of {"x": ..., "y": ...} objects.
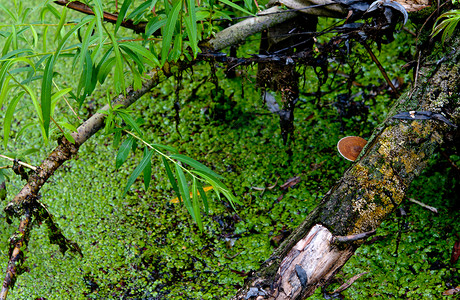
[{"x": 368, "y": 192}]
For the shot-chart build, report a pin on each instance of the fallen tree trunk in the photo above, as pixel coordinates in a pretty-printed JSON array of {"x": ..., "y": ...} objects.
[{"x": 368, "y": 192}]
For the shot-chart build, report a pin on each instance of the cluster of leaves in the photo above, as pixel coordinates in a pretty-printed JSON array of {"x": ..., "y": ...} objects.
[
  {"x": 29, "y": 70},
  {"x": 179, "y": 176},
  {"x": 446, "y": 23}
]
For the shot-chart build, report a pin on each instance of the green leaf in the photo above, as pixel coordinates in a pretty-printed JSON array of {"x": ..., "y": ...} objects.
[
  {"x": 139, "y": 11},
  {"x": 153, "y": 25},
  {"x": 151, "y": 59},
  {"x": 218, "y": 186},
  {"x": 10, "y": 14},
  {"x": 46, "y": 95},
  {"x": 121, "y": 15},
  {"x": 183, "y": 188},
  {"x": 119, "y": 81},
  {"x": 130, "y": 121},
  {"x": 123, "y": 152},
  {"x": 61, "y": 24},
  {"x": 145, "y": 162},
  {"x": 190, "y": 26},
  {"x": 148, "y": 168},
  {"x": 116, "y": 138},
  {"x": 48, "y": 77},
  {"x": 69, "y": 137},
  {"x": 86, "y": 41},
  {"x": 171, "y": 178},
  {"x": 235, "y": 6},
  {"x": 195, "y": 164},
  {"x": 169, "y": 30},
  {"x": 9, "y": 118},
  {"x": 56, "y": 96},
  {"x": 196, "y": 205},
  {"x": 203, "y": 196}
]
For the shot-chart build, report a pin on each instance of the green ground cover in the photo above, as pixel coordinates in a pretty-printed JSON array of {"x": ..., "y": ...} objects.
[{"x": 142, "y": 246}]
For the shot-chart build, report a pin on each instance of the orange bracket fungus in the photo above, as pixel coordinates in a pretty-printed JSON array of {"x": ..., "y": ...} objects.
[{"x": 350, "y": 147}]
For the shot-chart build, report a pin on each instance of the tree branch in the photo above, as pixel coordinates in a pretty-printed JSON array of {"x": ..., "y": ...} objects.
[
  {"x": 108, "y": 17},
  {"x": 25, "y": 199}
]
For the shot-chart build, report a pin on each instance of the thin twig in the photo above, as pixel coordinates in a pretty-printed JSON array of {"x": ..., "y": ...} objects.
[
  {"x": 19, "y": 162},
  {"x": 108, "y": 17},
  {"x": 382, "y": 70},
  {"x": 430, "y": 208}
]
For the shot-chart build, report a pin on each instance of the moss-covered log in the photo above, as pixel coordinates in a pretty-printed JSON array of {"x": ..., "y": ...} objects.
[{"x": 368, "y": 192}]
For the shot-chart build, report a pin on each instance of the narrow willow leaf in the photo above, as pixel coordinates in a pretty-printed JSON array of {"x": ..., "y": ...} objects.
[
  {"x": 116, "y": 138},
  {"x": 61, "y": 24},
  {"x": 34, "y": 102},
  {"x": 203, "y": 196},
  {"x": 48, "y": 77},
  {"x": 9, "y": 13},
  {"x": 9, "y": 118},
  {"x": 169, "y": 30},
  {"x": 6, "y": 89},
  {"x": 7, "y": 44},
  {"x": 145, "y": 162},
  {"x": 122, "y": 13},
  {"x": 191, "y": 30},
  {"x": 171, "y": 178},
  {"x": 153, "y": 25},
  {"x": 123, "y": 152},
  {"x": 51, "y": 9},
  {"x": 105, "y": 69},
  {"x": 34, "y": 35},
  {"x": 236, "y": 6},
  {"x": 69, "y": 137},
  {"x": 44, "y": 39},
  {"x": 183, "y": 188},
  {"x": 174, "y": 55},
  {"x": 148, "y": 168},
  {"x": 195, "y": 164},
  {"x": 46, "y": 95},
  {"x": 137, "y": 80},
  {"x": 24, "y": 128},
  {"x": 217, "y": 185},
  {"x": 139, "y": 11},
  {"x": 119, "y": 80},
  {"x": 88, "y": 76},
  {"x": 86, "y": 41},
  {"x": 196, "y": 204},
  {"x": 56, "y": 96},
  {"x": 151, "y": 59},
  {"x": 4, "y": 79},
  {"x": 68, "y": 126},
  {"x": 130, "y": 121},
  {"x": 137, "y": 59}
]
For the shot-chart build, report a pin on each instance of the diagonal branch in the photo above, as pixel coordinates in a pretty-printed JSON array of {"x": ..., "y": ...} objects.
[
  {"x": 108, "y": 17},
  {"x": 26, "y": 198}
]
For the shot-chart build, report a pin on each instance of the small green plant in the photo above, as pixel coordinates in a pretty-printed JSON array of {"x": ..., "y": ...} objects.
[{"x": 446, "y": 22}]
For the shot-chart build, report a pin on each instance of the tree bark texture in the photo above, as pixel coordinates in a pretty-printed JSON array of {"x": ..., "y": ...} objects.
[{"x": 368, "y": 192}]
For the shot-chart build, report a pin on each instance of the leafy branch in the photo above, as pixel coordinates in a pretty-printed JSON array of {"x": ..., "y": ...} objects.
[{"x": 197, "y": 172}]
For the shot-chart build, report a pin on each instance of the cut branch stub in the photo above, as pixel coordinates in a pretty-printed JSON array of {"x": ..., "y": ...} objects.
[{"x": 307, "y": 263}]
